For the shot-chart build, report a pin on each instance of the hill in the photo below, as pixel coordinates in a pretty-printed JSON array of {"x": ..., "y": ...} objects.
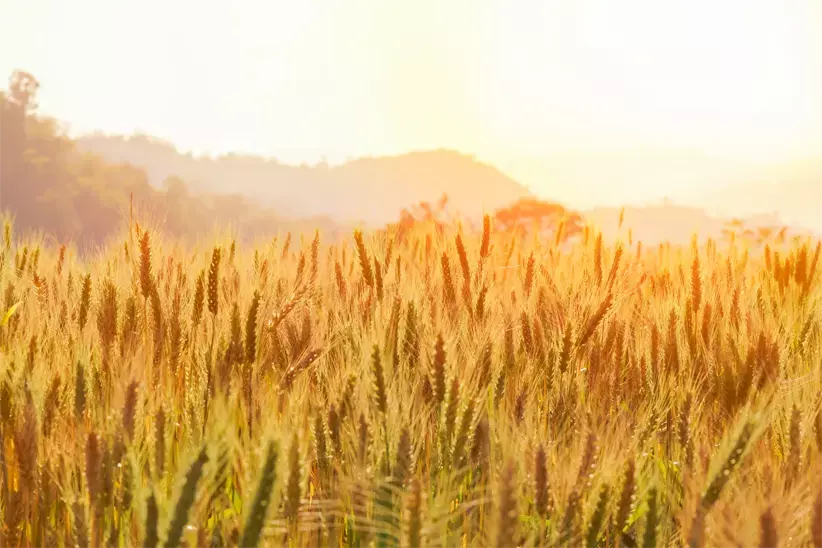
[
  {"x": 657, "y": 223},
  {"x": 371, "y": 190},
  {"x": 791, "y": 192},
  {"x": 594, "y": 177},
  {"x": 51, "y": 186}
]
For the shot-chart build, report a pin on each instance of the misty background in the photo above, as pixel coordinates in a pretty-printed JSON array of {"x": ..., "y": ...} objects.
[{"x": 353, "y": 111}]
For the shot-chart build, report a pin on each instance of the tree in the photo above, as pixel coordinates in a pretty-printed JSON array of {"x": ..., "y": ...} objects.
[
  {"x": 23, "y": 90},
  {"x": 51, "y": 186},
  {"x": 530, "y": 213},
  {"x": 424, "y": 212}
]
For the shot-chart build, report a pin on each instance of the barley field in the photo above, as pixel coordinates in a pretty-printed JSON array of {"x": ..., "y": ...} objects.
[{"x": 438, "y": 386}]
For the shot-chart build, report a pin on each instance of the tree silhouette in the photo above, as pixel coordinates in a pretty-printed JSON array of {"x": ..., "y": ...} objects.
[
  {"x": 545, "y": 217},
  {"x": 49, "y": 185},
  {"x": 424, "y": 212},
  {"x": 23, "y": 90}
]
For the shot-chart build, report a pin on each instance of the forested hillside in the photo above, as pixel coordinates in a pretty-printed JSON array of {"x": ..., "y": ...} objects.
[
  {"x": 49, "y": 185},
  {"x": 83, "y": 190},
  {"x": 372, "y": 190}
]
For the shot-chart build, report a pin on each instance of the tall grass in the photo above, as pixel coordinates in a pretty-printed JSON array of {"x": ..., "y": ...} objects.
[{"x": 432, "y": 387}]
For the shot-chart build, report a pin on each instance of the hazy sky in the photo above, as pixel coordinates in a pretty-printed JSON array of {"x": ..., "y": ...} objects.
[{"x": 512, "y": 82}]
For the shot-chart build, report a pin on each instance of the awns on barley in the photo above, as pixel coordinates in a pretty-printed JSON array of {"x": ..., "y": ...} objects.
[{"x": 427, "y": 386}]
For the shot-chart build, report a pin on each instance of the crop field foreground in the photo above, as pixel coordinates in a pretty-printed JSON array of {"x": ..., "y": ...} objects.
[{"x": 426, "y": 387}]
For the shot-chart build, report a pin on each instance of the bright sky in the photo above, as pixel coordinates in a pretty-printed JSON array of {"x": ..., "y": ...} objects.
[{"x": 512, "y": 82}]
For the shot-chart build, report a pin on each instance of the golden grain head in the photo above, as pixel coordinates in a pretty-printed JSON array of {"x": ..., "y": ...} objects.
[{"x": 572, "y": 394}]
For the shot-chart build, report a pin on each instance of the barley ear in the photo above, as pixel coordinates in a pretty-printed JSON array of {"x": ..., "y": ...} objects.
[
  {"x": 649, "y": 537},
  {"x": 185, "y": 501},
  {"x": 438, "y": 371},
  {"x": 696, "y": 537},
  {"x": 733, "y": 460},
  {"x": 380, "y": 398},
  {"x": 378, "y": 282},
  {"x": 262, "y": 499},
  {"x": 93, "y": 467},
  {"x": 160, "y": 442},
  {"x": 362, "y": 432},
  {"x": 816, "y": 521},
  {"x": 598, "y": 517},
  {"x": 414, "y": 517},
  {"x": 292, "y": 500},
  {"x": 365, "y": 264},
  {"x": 507, "y": 520},
  {"x": 625, "y": 498},
  {"x": 213, "y": 281},
  {"x": 152, "y": 517},
  {"x": 251, "y": 329},
  {"x": 130, "y": 410},
  {"x": 541, "y": 482},
  {"x": 199, "y": 300},
  {"x": 485, "y": 247},
  {"x": 79, "y": 391},
  {"x": 85, "y": 302},
  {"x": 146, "y": 278},
  {"x": 696, "y": 282},
  {"x": 767, "y": 530},
  {"x": 458, "y": 455}
]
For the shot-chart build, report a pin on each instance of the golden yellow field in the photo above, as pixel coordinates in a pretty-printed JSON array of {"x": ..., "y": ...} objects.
[{"x": 426, "y": 387}]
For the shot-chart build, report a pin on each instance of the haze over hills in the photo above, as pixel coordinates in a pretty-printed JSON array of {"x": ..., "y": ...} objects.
[
  {"x": 80, "y": 188},
  {"x": 370, "y": 190},
  {"x": 589, "y": 176},
  {"x": 790, "y": 190},
  {"x": 657, "y": 223},
  {"x": 793, "y": 193},
  {"x": 375, "y": 190},
  {"x": 51, "y": 189}
]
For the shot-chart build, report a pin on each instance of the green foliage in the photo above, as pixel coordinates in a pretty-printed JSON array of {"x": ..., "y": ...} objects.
[{"x": 49, "y": 185}]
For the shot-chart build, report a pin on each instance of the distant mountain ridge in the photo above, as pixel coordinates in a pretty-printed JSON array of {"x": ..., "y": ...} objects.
[
  {"x": 370, "y": 190},
  {"x": 375, "y": 190},
  {"x": 657, "y": 223},
  {"x": 792, "y": 193},
  {"x": 80, "y": 189},
  {"x": 790, "y": 189}
]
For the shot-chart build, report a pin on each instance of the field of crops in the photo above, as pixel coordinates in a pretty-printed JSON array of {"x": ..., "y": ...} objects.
[{"x": 428, "y": 387}]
